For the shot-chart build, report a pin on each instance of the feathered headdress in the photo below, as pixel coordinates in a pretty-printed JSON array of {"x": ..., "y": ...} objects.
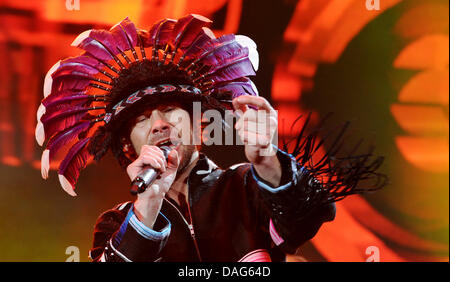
[{"x": 89, "y": 97}]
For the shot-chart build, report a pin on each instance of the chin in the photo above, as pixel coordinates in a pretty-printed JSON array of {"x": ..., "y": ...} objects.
[{"x": 185, "y": 154}]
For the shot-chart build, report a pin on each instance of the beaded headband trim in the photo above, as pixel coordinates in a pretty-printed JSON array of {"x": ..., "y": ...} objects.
[{"x": 151, "y": 90}]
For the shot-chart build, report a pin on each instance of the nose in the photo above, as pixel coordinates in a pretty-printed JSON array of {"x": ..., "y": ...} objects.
[{"x": 160, "y": 127}]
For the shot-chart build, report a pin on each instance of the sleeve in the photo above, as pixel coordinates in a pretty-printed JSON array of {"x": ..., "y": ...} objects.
[
  {"x": 120, "y": 237},
  {"x": 297, "y": 208}
]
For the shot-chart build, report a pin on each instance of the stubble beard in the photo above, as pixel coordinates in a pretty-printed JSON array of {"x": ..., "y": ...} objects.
[{"x": 188, "y": 151}]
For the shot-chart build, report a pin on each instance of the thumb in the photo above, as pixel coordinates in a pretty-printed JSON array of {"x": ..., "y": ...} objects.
[{"x": 173, "y": 161}]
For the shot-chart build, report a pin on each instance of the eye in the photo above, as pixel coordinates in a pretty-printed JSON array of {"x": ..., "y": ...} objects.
[
  {"x": 168, "y": 109},
  {"x": 141, "y": 119}
]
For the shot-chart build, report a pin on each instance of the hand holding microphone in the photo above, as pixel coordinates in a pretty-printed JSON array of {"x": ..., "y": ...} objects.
[
  {"x": 148, "y": 175},
  {"x": 149, "y": 202},
  {"x": 151, "y": 163}
]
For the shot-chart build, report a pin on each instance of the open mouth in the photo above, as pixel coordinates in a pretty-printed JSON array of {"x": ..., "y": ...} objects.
[{"x": 166, "y": 142}]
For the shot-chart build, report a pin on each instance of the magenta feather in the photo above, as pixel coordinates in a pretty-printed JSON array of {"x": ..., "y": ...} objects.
[
  {"x": 186, "y": 30},
  {"x": 231, "y": 71},
  {"x": 54, "y": 96},
  {"x": 152, "y": 32},
  {"x": 224, "y": 54},
  {"x": 107, "y": 40},
  {"x": 162, "y": 34},
  {"x": 65, "y": 77},
  {"x": 90, "y": 63},
  {"x": 68, "y": 102},
  {"x": 120, "y": 42},
  {"x": 209, "y": 46},
  {"x": 196, "y": 47},
  {"x": 75, "y": 160},
  {"x": 125, "y": 34},
  {"x": 237, "y": 88},
  {"x": 61, "y": 119},
  {"x": 85, "y": 60},
  {"x": 69, "y": 84},
  {"x": 130, "y": 30},
  {"x": 72, "y": 75},
  {"x": 66, "y": 136},
  {"x": 74, "y": 69},
  {"x": 216, "y": 42},
  {"x": 96, "y": 48},
  {"x": 67, "y": 81}
]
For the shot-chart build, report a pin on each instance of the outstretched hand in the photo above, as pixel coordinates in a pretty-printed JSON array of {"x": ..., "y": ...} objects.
[{"x": 256, "y": 126}]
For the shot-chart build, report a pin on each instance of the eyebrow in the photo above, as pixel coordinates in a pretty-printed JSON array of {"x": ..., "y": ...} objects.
[{"x": 150, "y": 111}]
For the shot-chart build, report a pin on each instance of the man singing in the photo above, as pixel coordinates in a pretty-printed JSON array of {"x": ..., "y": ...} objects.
[{"x": 136, "y": 92}]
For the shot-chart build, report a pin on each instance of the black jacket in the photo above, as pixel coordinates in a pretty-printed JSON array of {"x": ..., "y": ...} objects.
[{"x": 231, "y": 213}]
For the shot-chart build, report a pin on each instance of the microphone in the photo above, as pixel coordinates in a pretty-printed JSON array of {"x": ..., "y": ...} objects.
[{"x": 146, "y": 177}]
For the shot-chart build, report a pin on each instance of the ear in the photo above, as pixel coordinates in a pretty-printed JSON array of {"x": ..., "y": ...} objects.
[{"x": 128, "y": 149}]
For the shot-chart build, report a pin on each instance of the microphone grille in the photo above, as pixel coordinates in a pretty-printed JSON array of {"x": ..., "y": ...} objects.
[{"x": 166, "y": 150}]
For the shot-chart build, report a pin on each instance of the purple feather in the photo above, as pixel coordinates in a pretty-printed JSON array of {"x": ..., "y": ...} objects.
[
  {"x": 74, "y": 69},
  {"x": 186, "y": 30},
  {"x": 215, "y": 43},
  {"x": 93, "y": 46},
  {"x": 209, "y": 46},
  {"x": 54, "y": 96},
  {"x": 59, "y": 120},
  {"x": 238, "y": 89},
  {"x": 107, "y": 40},
  {"x": 120, "y": 39},
  {"x": 74, "y": 76},
  {"x": 195, "y": 49},
  {"x": 131, "y": 31},
  {"x": 66, "y": 136},
  {"x": 85, "y": 60},
  {"x": 224, "y": 54},
  {"x": 232, "y": 71},
  {"x": 67, "y": 81},
  {"x": 220, "y": 40},
  {"x": 69, "y": 84},
  {"x": 162, "y": 33},
  {"x": 160, "y": 36},
  {"x": 76, "y": 73},
  {"x": 75, "y": 160},
  {"x": 90, "y": 63},
  {"x": 125, "y": 34},
  {"x": 68, "y": 102},
  {"x": 153, "y": 31}
]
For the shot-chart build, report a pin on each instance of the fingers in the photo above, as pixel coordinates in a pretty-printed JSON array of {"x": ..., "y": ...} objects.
[
  {"x": 255, "y": 132},
  {"x": 242, "y": 102},
  {"x": 153, "y": 156},
  {"x": 265, "y": 115},
  {"x": 239, "y": 106},
  {"x": 253, "y": 138},
  {"x": 256, "y": 127},
  {"x": 263, "y": 119}
]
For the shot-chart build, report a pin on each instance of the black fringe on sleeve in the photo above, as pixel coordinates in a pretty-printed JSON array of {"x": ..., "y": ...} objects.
[{"x": 331, "y": 161}]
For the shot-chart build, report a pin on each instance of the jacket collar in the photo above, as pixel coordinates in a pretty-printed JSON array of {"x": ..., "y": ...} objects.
[{"x": 202, "y": 177}]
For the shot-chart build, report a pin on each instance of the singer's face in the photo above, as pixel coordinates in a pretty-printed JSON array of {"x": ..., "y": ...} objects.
[{"x": 166, "y": 125}]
